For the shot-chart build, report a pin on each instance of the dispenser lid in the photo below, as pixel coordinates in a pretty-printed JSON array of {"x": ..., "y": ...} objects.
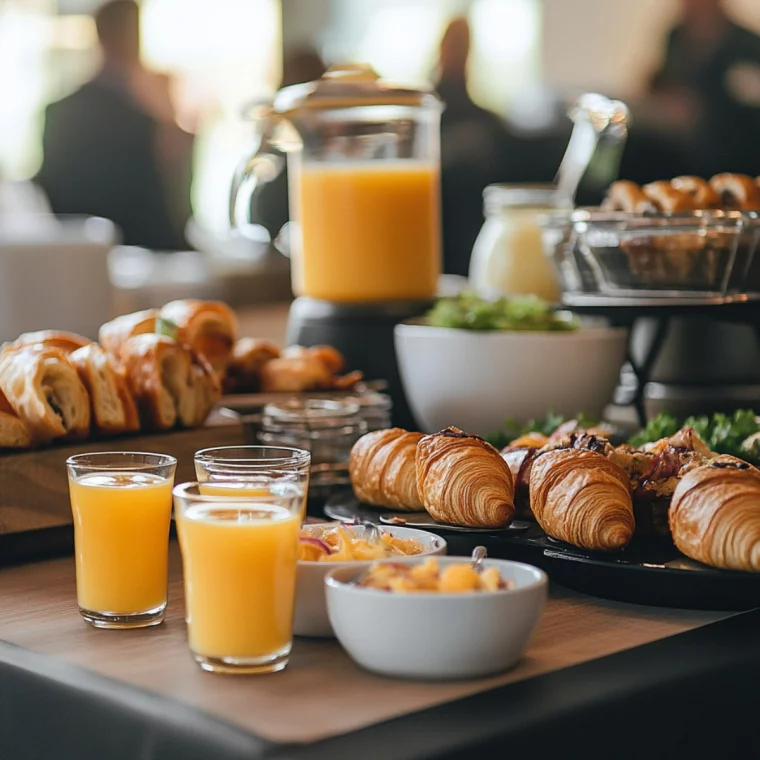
[{"x": 351, "y": 85}]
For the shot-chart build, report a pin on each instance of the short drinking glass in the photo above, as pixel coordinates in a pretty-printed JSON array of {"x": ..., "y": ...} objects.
[
  {"x": 121, "y": 502},
  {"x": 244, "y": 470},
  {"x": 239, "y": 556}
]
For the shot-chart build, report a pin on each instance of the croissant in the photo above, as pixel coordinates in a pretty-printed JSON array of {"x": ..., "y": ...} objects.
[
  {"x": 210, "y": 327},
  {"x": 628, "y": 197},
  {"x": 295, "y": 374},
  {"x": 737, "y": 191},
  {"x": 715, "y": 515},
  {"x": 383, "y": 470},
  {"x": 699, "y": 189},
  {"x": 44, "y": 390},
  {"x": 112, "y": 406},
  {"x": 114, "y": 334},
  {"x": 668, "y": 198},
  {"x": 583, "y": 498},
  {"x": 170, "y": 383},
  {"x": 14, "y": 434},
  {"x": 64, "y": 341},
  {"x": 249, "y": 355},
  {"x": 462, "y": 480}
]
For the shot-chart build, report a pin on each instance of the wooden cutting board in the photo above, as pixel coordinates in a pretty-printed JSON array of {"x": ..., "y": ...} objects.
[{"x": 34, "y": 491}]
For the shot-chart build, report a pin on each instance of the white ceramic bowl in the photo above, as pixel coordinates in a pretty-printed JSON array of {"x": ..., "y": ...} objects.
[
  {"x": 477, "y": 380},
  {"x": 311, "y": 608},
  {"x": 437, "y": 636}
]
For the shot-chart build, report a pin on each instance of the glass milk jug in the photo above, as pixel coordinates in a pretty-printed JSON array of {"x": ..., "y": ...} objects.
[{"x": 363, "y": 162}]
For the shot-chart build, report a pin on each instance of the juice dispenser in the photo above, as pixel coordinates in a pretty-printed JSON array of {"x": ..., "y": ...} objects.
[{"x": 363, "y": 162}]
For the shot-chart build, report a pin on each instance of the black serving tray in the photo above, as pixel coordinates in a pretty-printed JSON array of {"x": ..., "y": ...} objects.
[{"x": 648, "y": 571}]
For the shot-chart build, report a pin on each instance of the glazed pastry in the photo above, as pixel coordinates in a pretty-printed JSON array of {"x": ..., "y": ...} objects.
[
  {"x": 737, "y": 191},
  {"x": 462, "y": 480},
  {"x": 112, "y": 407},
  {"x": 14, "y": 434},
  {"x": 209, "y": 327},
  {"x": 628, "y": 197},
  {"x": 64, "y": 341},
  {"x": 667, "y": 198},
  {"x": 383, "y": 469},
  {"x": 699, "y": 189},
  {"x": 583, "y": 498},
  {"x": 115, "y": 333},
  {"x": 171, "y": 384},
  {"x": 715, "y": 515},
  {"x": 249, "y": 355},
  {"x": 329, "y": 356},
  {"x": 296, "y": 374},
  {"x": 44, "y": 390}
]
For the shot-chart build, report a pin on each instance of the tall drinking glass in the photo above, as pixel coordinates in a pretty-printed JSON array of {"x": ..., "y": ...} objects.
[
  {"x": 121, "y": 502},
  {"x": 239, "y": 557},
  {"x": 246, "y": 470}
]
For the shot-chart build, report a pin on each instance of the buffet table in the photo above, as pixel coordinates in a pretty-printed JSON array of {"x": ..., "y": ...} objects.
[{"x": 594, "y": 668}]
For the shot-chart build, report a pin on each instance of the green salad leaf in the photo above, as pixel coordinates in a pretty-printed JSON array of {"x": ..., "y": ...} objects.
[
  {"x": 723, "y": 433},
  {"x": 469, "y": 312}
]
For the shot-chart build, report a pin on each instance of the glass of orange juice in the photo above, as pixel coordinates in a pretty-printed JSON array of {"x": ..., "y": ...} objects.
[
  {"x": 121, "y": 502},
  {"x": 250, "y": 470},
  {"x": 239, "y": 556}
]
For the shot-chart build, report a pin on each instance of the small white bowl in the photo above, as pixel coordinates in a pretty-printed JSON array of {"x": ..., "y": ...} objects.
[
  {"x": 437, "y": 636},
  {"x": 477, "y": 380},
  {"x": 311, "y": 609}
]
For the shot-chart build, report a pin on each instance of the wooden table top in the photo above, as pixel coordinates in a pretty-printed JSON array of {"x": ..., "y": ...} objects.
[{"x": 327, "y": 692}]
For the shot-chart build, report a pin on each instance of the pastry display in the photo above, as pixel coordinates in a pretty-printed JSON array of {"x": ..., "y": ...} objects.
[
  {"x": 152, "y": 370},
  {"x": 462, "y": 480},
  {"x": 170, "y": 382},
  {"x": 43, "y": 388},
  {"x": 715, "y": 514},
  {"x": 260, "y": 366},
  {"x": 113, "y": 408},
  {"x": 582, "y": 497},
  {"x": 208, "y": 327},
  {"x": 382, "y": 466}
]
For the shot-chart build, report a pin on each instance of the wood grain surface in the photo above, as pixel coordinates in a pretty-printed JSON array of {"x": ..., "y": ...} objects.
[
  {"x": 34, "y": 489},
  {"x": 322, "y": 693}
]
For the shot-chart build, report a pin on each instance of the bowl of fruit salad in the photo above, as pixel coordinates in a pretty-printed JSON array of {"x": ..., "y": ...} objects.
[
  {"x": 437, "y": 617},
  {"x": 324, "y": 546}
]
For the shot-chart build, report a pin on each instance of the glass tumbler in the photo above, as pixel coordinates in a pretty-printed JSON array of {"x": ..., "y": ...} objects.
[
  {"x": 246, "y": 470},
  {"x": 121, "y": 502},
  {"x": 239, "y": 557}
]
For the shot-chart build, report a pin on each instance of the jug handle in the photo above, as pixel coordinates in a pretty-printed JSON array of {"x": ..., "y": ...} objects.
[{"x": 262, "y": 165}]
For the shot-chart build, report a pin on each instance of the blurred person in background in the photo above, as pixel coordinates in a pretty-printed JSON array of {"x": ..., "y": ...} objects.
[
  {"x": 474, "y": 146},
  {"x": 113, "y": 147},
  {"x": 269, "y": 207},
  {"x": 708, "y": 89}
]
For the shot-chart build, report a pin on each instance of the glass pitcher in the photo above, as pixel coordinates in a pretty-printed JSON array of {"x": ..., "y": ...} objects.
[{"x": 363, "y": 163}]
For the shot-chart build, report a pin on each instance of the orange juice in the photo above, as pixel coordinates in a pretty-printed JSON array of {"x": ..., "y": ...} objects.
[
  {"x": 240, "y": 488},
  {"x": 239, "y": 564},
  {"x": 368, "y": 231},
  {"x": 121, "y": 534}
]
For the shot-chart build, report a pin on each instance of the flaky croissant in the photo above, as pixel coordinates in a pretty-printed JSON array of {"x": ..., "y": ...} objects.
[
  {"x": 715, "y": 515},
  {"x": 462, "y": 480},
  {"x": 171, "y": 384},
  {"x": 383, "y": 469},
  {"x": 114, "y": 334},
  {"x": 583, "y": 498},
  {"x": 14, "y": 434},
  {"x": 44, "y": 390}
]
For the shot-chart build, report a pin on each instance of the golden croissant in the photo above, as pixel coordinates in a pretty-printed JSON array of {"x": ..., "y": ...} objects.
[
  {"x": 383, "y": 469},
  {"x": 463, "y": 481},
  {"x": 583, "y": 498},
  {"x": 715, "y": 515}
]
